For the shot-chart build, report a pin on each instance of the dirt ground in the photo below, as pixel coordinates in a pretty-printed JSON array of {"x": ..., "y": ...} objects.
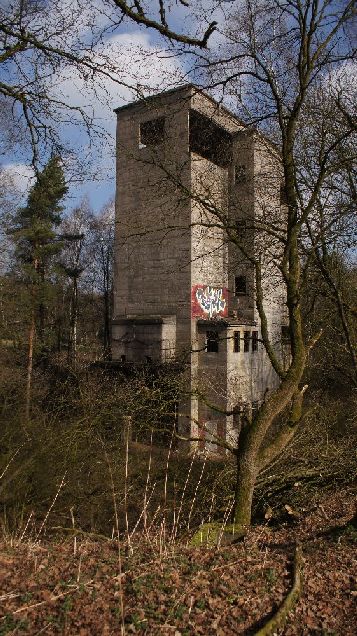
[{"x": 80, "y": 585}]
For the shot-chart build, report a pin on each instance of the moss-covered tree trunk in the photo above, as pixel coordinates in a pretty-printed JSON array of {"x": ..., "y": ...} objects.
[{"x": 245, "y": 484}]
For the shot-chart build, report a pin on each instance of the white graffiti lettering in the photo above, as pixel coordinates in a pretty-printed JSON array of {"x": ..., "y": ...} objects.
[{"x": 211, "y": 300}]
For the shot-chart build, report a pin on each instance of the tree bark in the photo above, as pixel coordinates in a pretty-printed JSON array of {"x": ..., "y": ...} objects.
[
  {"x": 72, "y": 340},
  {"x": 31, "y": 342},
  {"x": 246, "y": 455}
]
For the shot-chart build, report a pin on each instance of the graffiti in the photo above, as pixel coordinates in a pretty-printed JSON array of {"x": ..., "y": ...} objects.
[{"x": 209, "y": 301}]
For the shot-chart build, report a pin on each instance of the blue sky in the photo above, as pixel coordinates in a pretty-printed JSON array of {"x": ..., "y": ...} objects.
[{"x": 142, "y": 59}]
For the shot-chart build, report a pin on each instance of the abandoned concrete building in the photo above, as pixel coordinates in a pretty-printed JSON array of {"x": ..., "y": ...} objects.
[{"x": 192, "y": 183}]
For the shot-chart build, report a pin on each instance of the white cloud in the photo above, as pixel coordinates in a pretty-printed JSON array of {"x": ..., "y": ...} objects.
[
  {"x": 140, "y": 68},
  {"x": 136, "y": 66},
  {"x": 20, "y": 176},
  {"x": 344, "y": 78}
]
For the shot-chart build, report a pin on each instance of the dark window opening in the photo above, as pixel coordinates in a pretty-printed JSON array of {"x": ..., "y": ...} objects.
[
  {"x": 152, "y": 132},
  {"x": 240, "y": 286},
  {"x": 123, "y": 358},
  {"x": 209, "y": 140},
  {"x": 246, "y": 341},
  {"x": 212, "y": 341},
  {"x": 254, "y": 341},
  {"x": 285, "y": 334},
  {"x": 236, "y": 341},
  {"x": 240, "y": 174},
  {"x": 283, "y": 195},
  {"x": 148, "y": 359}
]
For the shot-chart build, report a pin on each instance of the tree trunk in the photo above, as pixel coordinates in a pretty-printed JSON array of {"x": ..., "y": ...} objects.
[
  {"x": 32, "y": 333},
  {"x": 106, "y": 335},
  {"x": 40, "y": 269},
  {"x": 245, "y": 484},
  {"x": 72, "y": 340}
]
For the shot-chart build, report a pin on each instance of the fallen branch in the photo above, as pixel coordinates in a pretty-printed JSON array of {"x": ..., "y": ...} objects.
[{"x": 280, "y": 617}]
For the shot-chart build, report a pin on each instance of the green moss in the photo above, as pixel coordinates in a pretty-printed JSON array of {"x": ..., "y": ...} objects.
[{"x": 212, "y": 534}]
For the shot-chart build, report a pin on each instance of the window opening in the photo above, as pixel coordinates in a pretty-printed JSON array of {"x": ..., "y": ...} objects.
[
  {"x": 240, "y": 286},
  {"x": 246, "y": 341},
  {"x": 152, "y": 132},
  {"x": 240, "y": 174},
  {"x": 148, "y": 359},
  {"x": 209, "y": 140},
  {"x": 212, "y": 341},
  {"x": 123, "y": 358},
  {"x": 236, "y": 341},
  {"x": 254, "y": 341}
]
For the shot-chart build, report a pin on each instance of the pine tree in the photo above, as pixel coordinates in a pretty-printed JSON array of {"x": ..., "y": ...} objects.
[
  {"x": 34, "y": 234},
  {"x": 35, "y": 223}
]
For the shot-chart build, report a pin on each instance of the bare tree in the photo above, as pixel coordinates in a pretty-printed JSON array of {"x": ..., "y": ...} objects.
[
  {"x": 101, "y": 246},
  {"x": 43, "y": 43},
  {"x": 87, "y": 261},
  {"x": 280, "y": 58},
  {"x": 274, "y": 65},
  {"x": 74, "y": 261}
]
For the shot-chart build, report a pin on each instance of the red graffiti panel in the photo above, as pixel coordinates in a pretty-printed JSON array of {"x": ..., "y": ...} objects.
[{"x": 209, "y": 302}]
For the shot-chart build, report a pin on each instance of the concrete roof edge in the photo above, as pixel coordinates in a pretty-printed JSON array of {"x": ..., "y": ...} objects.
[
  {"x": 180, "y": 89},
  {"x": 196, "y": 89},
  {"x": 151, "y": 98}
]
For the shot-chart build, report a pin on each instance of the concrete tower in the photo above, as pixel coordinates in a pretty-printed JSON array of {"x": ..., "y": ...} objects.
[{"x": 191, "y": 176}]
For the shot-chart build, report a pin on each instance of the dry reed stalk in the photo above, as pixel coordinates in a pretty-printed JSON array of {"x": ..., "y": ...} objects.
[
  {"x": 142, "y": 513},
  {"x": 116, "y": 518},
  {"x": 79, "y": 568},
  {"x": 147, "y": 482},
  {"x": 126, "y": 488},
  {"x": 165, "y": 483},
  {"x": 227, "y": 514},
  {"x": 175, "y": 526},
  {"x": 156, "y": 513},
  {"x": 211, "y": 507},
  {"x": 195, "y": 493},
  {"x": 10, "y": 461},
  {"x": 174, "y": 506},
  {"x": 51, "y": 506},
  {"x": 75, "y": 536},
  {"x": 26, "y": 526}
]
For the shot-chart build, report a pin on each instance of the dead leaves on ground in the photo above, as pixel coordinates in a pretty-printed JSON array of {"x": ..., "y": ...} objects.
[{"x": 47, "y": 589}]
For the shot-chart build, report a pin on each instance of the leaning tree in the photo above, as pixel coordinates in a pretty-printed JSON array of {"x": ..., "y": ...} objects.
[{"x": 284, "y": 67}]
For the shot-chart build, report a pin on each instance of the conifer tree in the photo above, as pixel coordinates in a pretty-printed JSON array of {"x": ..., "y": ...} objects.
[{"x": 36, "y": 243}]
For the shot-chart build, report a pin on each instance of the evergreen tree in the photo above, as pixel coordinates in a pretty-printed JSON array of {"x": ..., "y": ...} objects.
[
  {"x": 34, "y": 234},
  {"x": 35, "y": 224}
]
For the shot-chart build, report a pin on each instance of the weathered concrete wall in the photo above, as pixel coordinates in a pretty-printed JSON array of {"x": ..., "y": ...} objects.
[
  {"x": 152, "y": 244},
  {"x": 257, "y": 201},
  {"x": 209, "y": 268},
  {"x": 172, "y": 256}
]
